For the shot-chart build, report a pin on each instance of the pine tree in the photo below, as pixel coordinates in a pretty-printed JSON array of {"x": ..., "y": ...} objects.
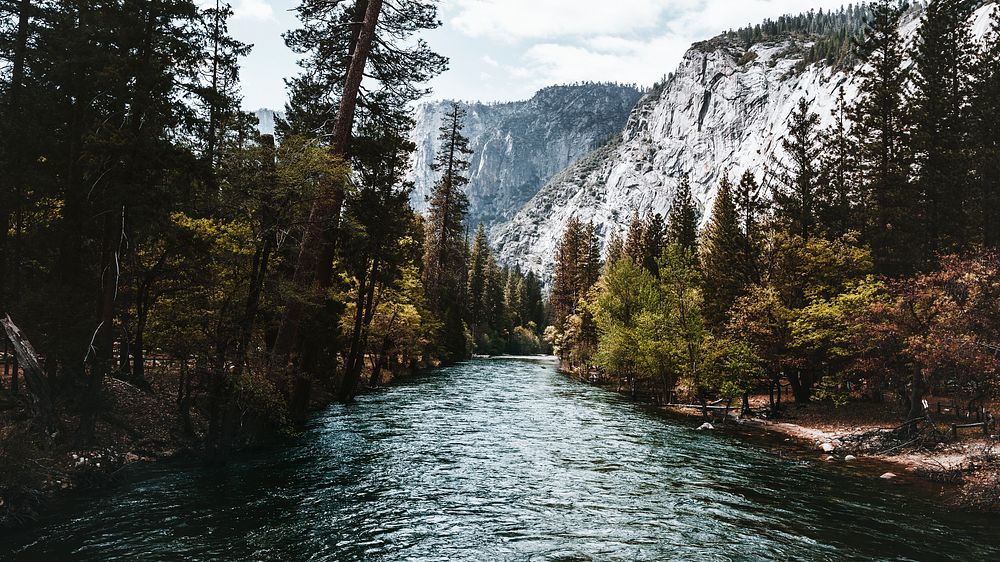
[
  {"x": 682, "y": 224},
  {"x": 939, "y": 104},
  {"x": 881, "y": 141},
  {"x": 479, "y": 307},
  {"x": 343, "y": 42},
  {"x": 653, "y": 233},
  {"x": 798, "y": 177},
  {"x": 377, "y": 221},
  {"x": 616, "y": 250},
  {"x": 985, "y": 105},
  {"x": 721, "y": 258},
  {"x": 633, "y": 245},
  {"x": 578, "y": 266},
  {"x": 444, "y": 245},
  {"x": 751, "y": 208},
  {"x": 837, "y": 194}
]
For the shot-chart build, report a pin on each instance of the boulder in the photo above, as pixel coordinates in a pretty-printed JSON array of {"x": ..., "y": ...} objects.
[
  {"x": 706, "y": 426},
  {"x": 887, "y": 476},
  {"x": 850, "y": 458},
  {"x": 827, "y": 447}
]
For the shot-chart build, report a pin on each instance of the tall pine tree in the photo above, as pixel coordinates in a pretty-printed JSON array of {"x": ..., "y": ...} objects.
[
  {"x": 881, "y": 141},
  {"x": 985, "y": 106},
  {"x": 943, "y": 64},
  {"x": 721, "y": 252},
  {"x": 798, "y": 177},
  {"x": 682, "y": 224},
  {"x": 444, "y": 240}
]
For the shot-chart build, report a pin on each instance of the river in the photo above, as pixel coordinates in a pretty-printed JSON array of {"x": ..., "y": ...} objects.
[{"x": 505, "y": 460}]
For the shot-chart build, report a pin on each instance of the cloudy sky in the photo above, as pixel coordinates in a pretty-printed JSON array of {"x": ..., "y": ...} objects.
[{"x": 507, "y": 49}]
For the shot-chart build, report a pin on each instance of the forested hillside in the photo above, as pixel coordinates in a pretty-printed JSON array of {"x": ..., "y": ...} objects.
[
  {"x": 859, "y": 263},
  {"x": 187, "y": 282}
]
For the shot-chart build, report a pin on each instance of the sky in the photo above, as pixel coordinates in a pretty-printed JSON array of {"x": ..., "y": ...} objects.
[{"x": 502, "y": 50}]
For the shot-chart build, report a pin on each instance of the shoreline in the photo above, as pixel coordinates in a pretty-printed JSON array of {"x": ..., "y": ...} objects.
[{"x": 953, "y": 473}]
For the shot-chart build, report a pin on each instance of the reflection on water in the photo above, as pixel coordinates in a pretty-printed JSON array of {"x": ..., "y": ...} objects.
[{"x": 505, "y": 460}]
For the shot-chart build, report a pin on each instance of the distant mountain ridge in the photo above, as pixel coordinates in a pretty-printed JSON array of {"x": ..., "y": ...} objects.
[
  {"x": 726, "y": 107},
  {"x": 519, "y": 146}
]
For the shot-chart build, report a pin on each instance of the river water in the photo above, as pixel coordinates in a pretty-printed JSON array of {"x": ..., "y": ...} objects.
[{"x": 505, "y": 460}]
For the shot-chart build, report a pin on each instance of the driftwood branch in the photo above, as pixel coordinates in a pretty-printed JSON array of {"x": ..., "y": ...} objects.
[{"x": 38, "y": 386}]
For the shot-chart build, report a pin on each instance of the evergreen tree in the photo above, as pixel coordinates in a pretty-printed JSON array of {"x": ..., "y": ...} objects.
[
  {"x": 836, "y": 194},
  {"x": 943, "y": 63},
  {"x": 633, "y": 245},
  {"x": 653, "y": 233},
  {"x": 795, "y": 200},
  {"x": 578, "y": 266},
  {"x": 479, "y": 306},
  {"x": 751, "y": 208},
  {"x": 985, "y": 106},
  {"x": 444, "y": 244},
  {"x": 343, "y": 42},
  {"x": 880, "y": 139},
  {"x": 616, "y": 250},
  {"x": 721, "y": 257},
  {"x": 377, "y": 243},
  {"x": 682, "y": 224}
]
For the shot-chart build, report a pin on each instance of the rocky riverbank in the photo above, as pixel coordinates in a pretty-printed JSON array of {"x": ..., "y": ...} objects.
[{"x": 964, "y": 471}]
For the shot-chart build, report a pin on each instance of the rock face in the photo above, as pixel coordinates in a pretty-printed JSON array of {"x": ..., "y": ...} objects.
[
  {"x": 519, "y": 146},
  {"x": 725, "y": 108},
  {"x": 266, "y": 118}
]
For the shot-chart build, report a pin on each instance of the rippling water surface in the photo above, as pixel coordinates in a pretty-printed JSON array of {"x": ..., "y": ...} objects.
[{"x": 505, "y": 460}]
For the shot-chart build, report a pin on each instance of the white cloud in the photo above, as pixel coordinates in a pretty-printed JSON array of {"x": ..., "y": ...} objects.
[
  {"x": 257, "y": 10},
  {"x": 534, "y": 19},
  {"x": 628, "y": 41}
]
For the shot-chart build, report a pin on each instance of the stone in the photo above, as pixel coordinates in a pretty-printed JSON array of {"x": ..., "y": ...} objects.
[
  {"x": 887, "y": 476},
  {"x": 850, "y": 458},
  {"x": 827, "y": 447},
  {"x": 706, "y": 426}
]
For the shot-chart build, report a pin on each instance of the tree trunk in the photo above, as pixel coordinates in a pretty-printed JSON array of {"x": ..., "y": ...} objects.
[
  {"x": 917, "y": 391},
  {"x": 313, "y": 268},
  {"x": 101, "y": 351},
  {"x": 25, "y": 357}
]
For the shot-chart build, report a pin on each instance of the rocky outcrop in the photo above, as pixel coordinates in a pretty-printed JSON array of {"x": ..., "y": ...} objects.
[
  {"x": 724, "y": 109},
  {"x": 519, "y": 146}
]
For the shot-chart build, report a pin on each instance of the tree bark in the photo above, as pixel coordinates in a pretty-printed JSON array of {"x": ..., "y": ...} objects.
[
  {"x": 25, "y": 357},
  {"x": 313, "y": 268}
]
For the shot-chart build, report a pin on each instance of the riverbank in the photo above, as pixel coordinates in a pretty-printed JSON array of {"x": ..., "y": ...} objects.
[
  {"x": 964, "y": 473},
  {"x": 137, "y": 427}
]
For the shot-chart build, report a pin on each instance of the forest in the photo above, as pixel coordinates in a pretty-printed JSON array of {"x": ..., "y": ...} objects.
[
  {"x": 154, "y": 244},
  {"x": 860, "y": 264},
  {"x": 176, "y": 284}
]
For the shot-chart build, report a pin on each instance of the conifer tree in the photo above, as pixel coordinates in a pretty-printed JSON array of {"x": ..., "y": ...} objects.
[
  {"x": 798, "y": 177},
  {"x": 721, "y": 255},
  {"x": 836, "y": 194},
  {"x": 682, "y": 224},
  {"x": 985, "y": 105},
  {"x": 479, "y": 305},
  {"x": 943, "y": 63},
  {"x": 444, "y": 243},
  {"x": 633, "y": 244},
  {"x": 578, "y": 266},
  {"x": 616, "y": 250},
  {"x": 751, "y": 208},
  {"x": 880, "y": 138},
  {"x": 653, "y": 233}
]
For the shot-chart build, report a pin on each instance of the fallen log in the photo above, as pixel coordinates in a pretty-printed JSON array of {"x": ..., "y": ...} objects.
[{"x": 38, "y": 385}]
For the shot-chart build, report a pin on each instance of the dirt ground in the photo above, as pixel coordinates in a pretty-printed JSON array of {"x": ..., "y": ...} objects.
[{"x": 969, "y": 465}]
